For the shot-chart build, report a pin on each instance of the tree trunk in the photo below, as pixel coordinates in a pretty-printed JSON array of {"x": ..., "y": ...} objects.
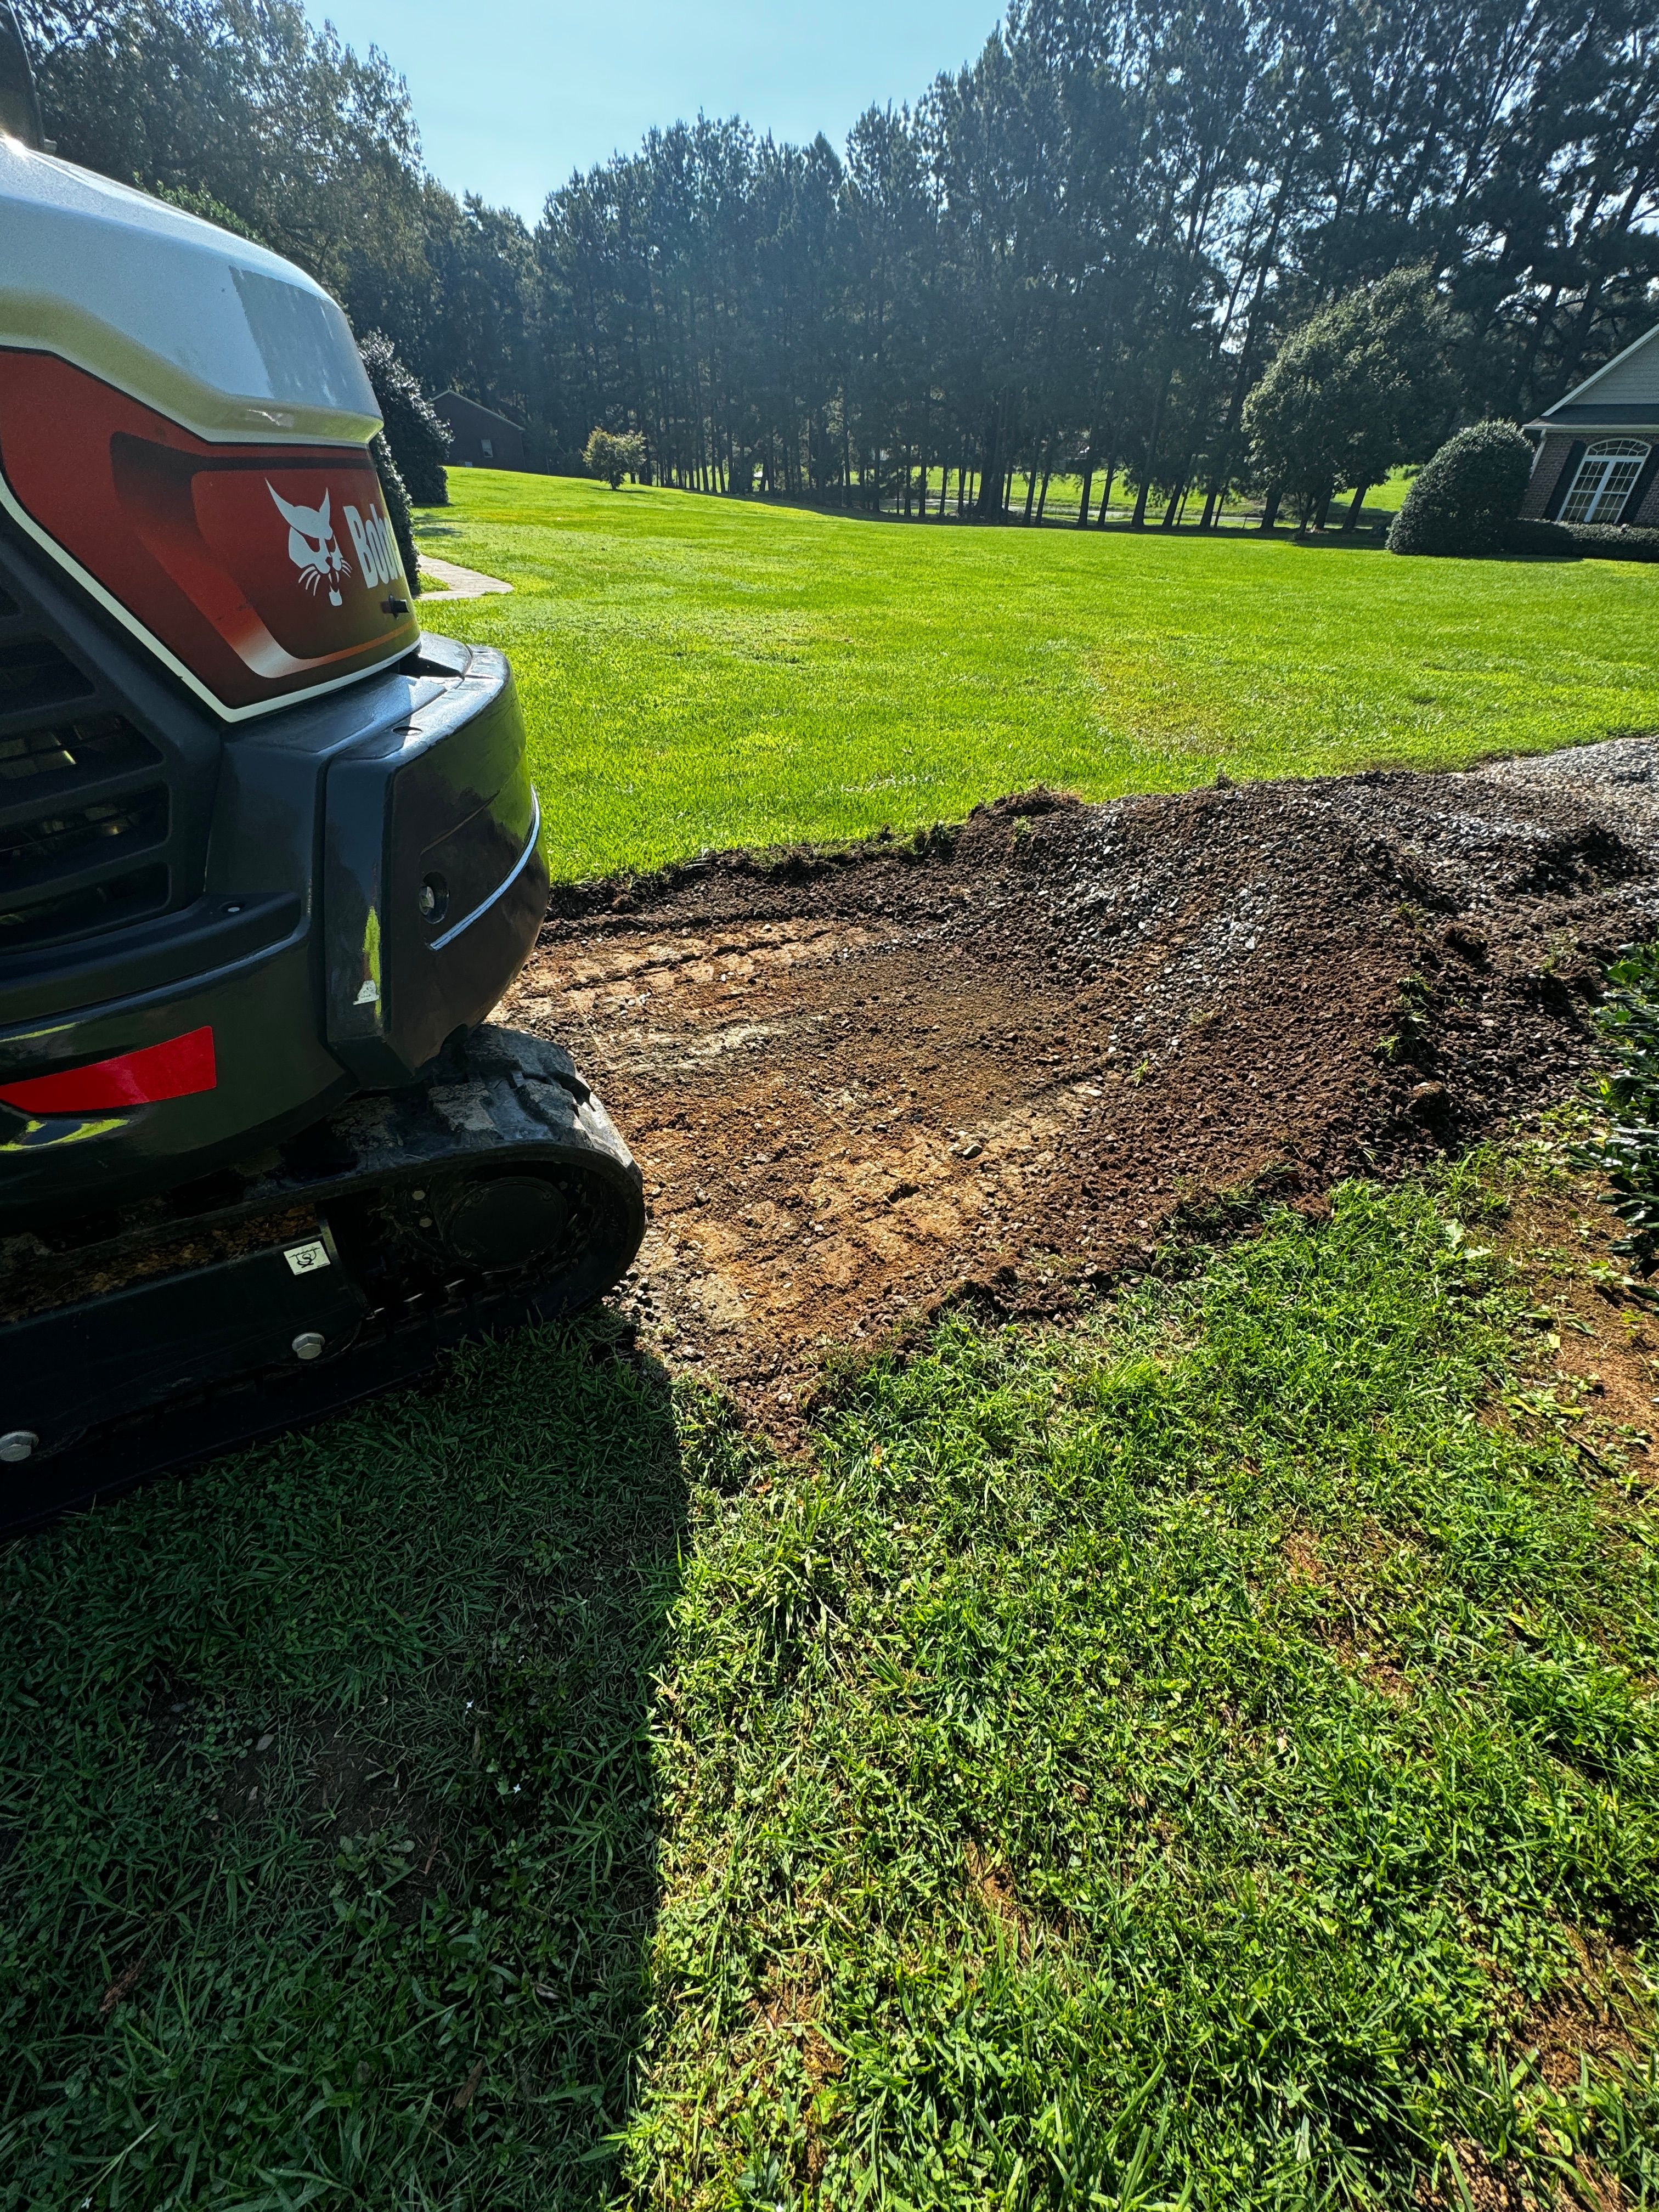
[
  {"x": 1106, "y": 494},
  {"x": 1140, "y": 520},
  {"x": 1350, "y": 519},
  {"x": 1042, "y": 497},
  {"x": 1083, "y": 503},
  {"x": 1270, "y": 508},
  {"x": 990, "y": 471}
]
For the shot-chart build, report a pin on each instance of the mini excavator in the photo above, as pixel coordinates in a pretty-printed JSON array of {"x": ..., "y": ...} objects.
[{"x": 269, "y": 857}]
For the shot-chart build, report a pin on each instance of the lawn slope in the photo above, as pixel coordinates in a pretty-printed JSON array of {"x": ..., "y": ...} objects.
[{"x": 698, "y": 672}]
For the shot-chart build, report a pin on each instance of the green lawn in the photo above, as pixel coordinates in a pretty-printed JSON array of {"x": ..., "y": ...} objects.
[
  {"x": 699, "y": 671},
  {"x": 1200, "y": 1759},
  {"x": 1390, "y": 497},
  {"x": 1196, "y": 1758}
]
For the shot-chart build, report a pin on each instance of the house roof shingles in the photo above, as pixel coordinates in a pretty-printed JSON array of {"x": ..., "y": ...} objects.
[{"x": 1622, "y": 396}]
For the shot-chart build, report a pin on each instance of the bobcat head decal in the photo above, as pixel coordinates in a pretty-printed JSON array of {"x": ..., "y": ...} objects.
[{"x": 311, "y": 545}]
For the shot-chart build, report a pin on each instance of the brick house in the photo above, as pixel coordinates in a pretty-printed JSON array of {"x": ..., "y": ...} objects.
[
  {"x": 1598, "y": 449},
  {"x": 479, "y": 437}
]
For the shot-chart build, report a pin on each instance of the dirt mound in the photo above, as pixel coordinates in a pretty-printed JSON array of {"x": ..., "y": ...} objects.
[{"x": 1008, "y": 1056}]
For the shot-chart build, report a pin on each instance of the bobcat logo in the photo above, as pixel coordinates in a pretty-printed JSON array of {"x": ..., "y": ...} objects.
[{"x": 311, "y": 545}]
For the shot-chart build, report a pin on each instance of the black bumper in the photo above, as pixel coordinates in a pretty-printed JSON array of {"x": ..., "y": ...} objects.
[{"x": 370, "y": 883}]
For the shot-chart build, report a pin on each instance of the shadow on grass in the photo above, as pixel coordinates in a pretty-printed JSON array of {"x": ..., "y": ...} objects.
[
  {"x": 1334, "y": 541},
  {"x": 330, "y": 1831}
]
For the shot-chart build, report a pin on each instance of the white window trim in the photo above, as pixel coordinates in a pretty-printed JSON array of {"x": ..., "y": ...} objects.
[{"x": 1604, "y": 480}]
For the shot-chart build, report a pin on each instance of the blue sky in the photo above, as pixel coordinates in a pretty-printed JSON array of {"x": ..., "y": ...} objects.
[{"x": 512, "y": 95}]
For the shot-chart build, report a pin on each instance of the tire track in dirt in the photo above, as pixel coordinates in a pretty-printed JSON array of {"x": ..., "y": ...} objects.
[{"x": 1008, "y": 1056}]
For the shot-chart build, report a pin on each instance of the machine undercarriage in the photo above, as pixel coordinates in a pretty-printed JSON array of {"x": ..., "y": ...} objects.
[{"x": 339, "y": 1263}]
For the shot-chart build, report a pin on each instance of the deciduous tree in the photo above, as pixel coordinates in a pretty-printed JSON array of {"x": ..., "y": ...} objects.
[
  {"x": 614, "y": 454},
  {"x": 1363, "y": 386}
]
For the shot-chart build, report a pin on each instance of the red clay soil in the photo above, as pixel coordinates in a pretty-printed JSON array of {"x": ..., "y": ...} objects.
[{"x": 859, "y": 1081}]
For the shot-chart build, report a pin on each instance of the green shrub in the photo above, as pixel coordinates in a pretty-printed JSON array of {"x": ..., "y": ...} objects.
[
  {"x": 397, "y": 508},
  {"x": 613, "y": 455},
  {"x": 1530, "y": 536},
  {"x": 1469, "y": 497},
  {"x": 418, "y": 440},
  {"x": 1587, "y": 541},
  {"x": 1613, "y": 541},
  {"x": 1363, "y": 384}
]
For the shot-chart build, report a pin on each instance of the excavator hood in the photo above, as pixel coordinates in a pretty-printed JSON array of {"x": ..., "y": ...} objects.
[{"x": 184, "y": 427}]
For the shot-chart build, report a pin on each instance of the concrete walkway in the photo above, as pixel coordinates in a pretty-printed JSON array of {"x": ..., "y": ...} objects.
[{"x": 459, "y": 583}]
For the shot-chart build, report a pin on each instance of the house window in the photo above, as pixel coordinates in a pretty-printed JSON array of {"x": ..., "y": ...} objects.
[
  {"x": 1603, "y": 483},
  {"x": 489, "y": 449}
]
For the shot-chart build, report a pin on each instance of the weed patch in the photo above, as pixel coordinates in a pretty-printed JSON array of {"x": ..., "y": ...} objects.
[{"x": 1207, "y": 1755}]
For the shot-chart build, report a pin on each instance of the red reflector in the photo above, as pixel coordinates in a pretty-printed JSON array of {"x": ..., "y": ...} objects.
[{"x": 177, "y": 1069}]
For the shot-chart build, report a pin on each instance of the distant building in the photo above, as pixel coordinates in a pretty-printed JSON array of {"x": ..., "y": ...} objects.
[
  {"x": 479, "y": 437},
  {"x": 1598, "y": 452}
]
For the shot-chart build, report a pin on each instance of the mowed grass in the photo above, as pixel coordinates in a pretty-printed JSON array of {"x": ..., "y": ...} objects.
[
  {"x": 706, "y": 672},
  {"x": 1209, "y": 1757}
]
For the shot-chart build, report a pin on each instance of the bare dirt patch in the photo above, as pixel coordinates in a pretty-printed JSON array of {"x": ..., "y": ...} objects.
[
  {"x": 1302, "y": 1556},
  {"x": 1595, "y": 1367},
  {"x": 1586, "y": 2018},
  {"x": 994, "y": 1886},
  {"x": 1470, "y": 2180},
  {"x": 1013, "y": 1056}
]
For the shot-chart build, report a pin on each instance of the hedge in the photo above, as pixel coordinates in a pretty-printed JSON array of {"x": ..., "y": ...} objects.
[
  {"x": 1528, "y": 536},
  {"x": 1613, "y": 541},
  {"x": 1586, "y": 541},
  {"x": 397, "y": 508}
]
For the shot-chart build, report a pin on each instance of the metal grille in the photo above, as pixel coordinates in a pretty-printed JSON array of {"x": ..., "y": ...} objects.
[
  {"x": 98, "y": 743},
  {"x": 34, "y": 675},
  {"x": 128, "y": 898},
  {"x": 85, "y": 808},
  {"x": 36, "y": 850}
]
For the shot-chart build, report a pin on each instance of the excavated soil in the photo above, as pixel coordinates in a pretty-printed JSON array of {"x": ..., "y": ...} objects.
[{"x": 1011, "y": 1058}]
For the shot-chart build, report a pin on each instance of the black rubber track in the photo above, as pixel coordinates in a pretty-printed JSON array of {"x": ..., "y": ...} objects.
[{"x": 128, "y": 1354}]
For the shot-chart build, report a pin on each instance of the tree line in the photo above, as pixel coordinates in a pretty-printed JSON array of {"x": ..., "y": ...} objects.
[{"x": 1075, "y": 259}]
